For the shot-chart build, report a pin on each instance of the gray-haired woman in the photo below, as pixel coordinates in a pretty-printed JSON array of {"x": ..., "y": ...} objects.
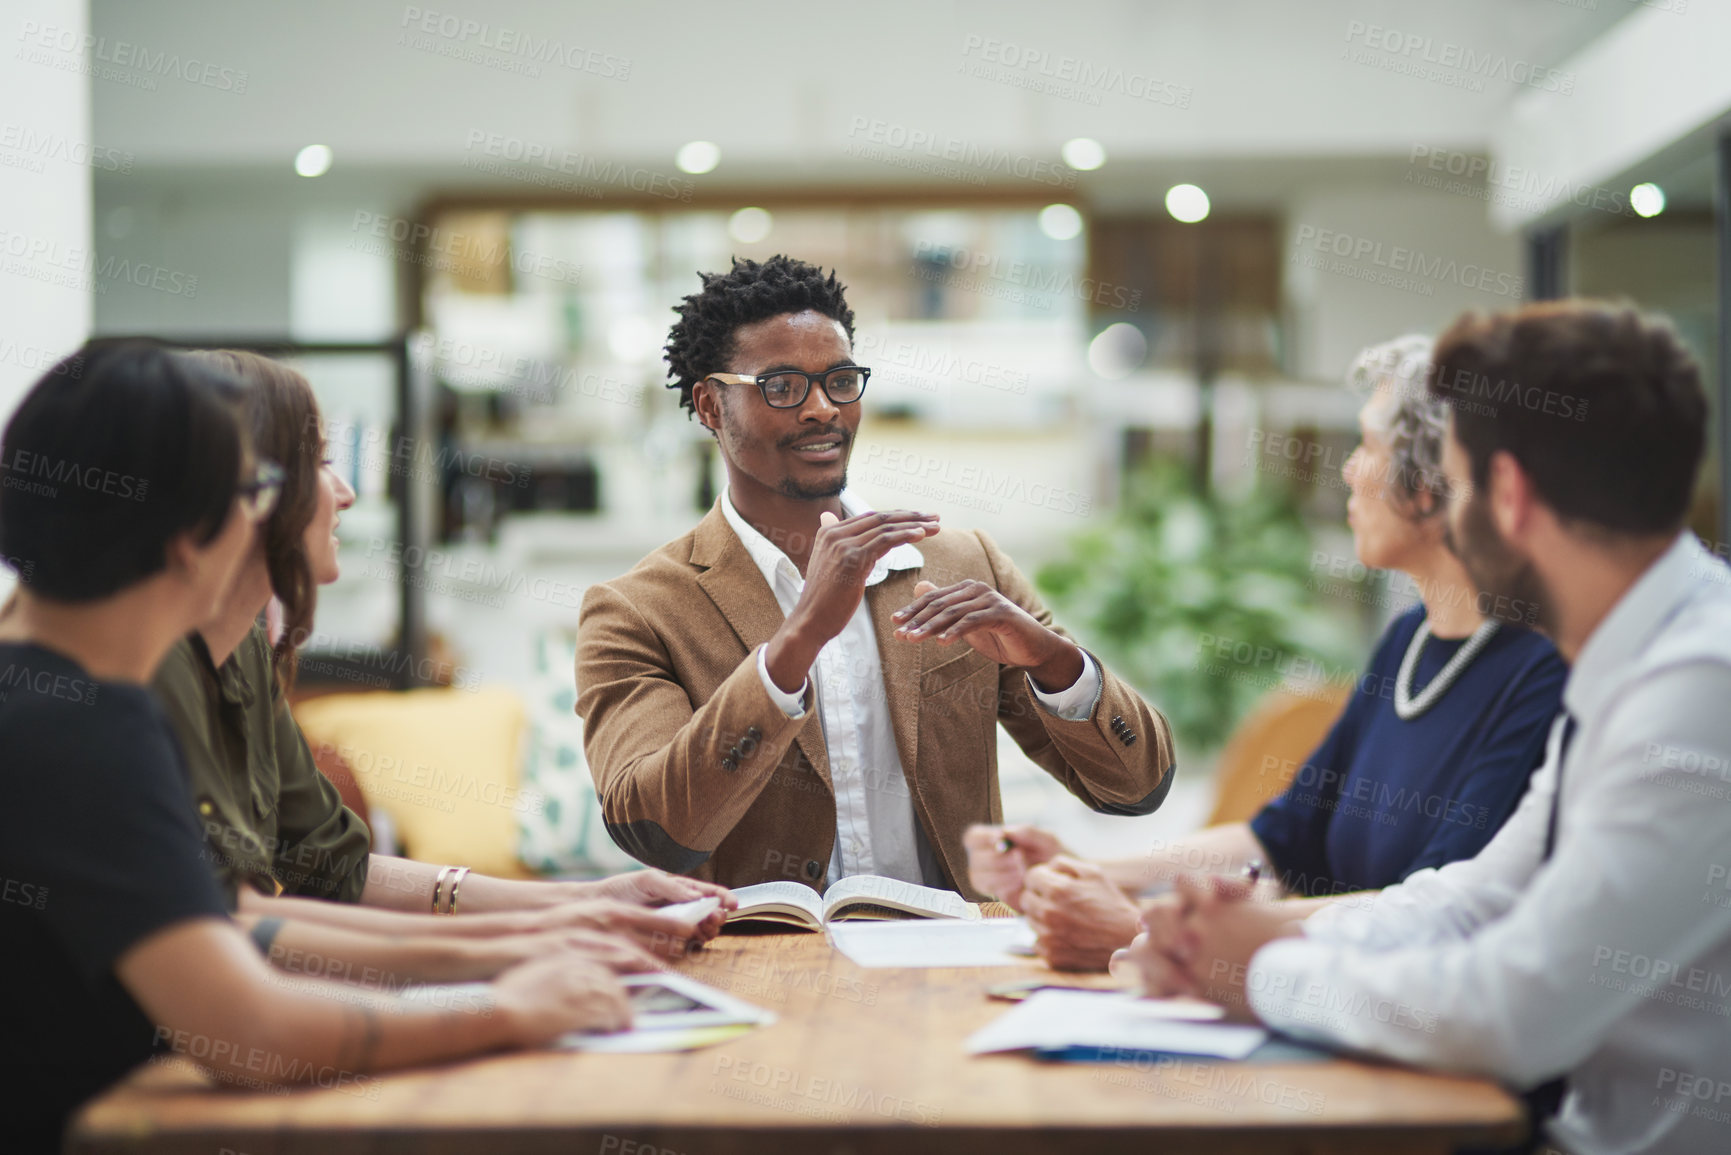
[{"x": 1439, "y": 736}]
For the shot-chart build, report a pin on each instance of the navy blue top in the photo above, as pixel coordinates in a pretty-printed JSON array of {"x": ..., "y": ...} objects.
[{"x": 1381, "y": 798}]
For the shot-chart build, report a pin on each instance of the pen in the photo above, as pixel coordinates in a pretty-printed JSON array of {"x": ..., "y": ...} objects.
[{"x": 1253, "y": 871}]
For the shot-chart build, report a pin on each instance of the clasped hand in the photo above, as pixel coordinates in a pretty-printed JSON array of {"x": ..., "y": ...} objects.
[{"x": 1198, "y": 941}]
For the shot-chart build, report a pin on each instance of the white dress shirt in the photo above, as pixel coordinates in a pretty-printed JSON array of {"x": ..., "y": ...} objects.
[
  {"x": 876, "y": 830},
  {"x": 1611, "y": 961}
]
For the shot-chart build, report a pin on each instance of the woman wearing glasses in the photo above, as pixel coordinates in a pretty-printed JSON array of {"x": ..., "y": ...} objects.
[
  {"x": 127, "y": 506},
  {"x": 274, "y": 825},
  {"x": 1426, "y": 763}
]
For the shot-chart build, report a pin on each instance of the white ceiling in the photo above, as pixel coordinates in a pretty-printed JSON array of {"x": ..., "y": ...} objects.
[{"x": 784, "y": 88}]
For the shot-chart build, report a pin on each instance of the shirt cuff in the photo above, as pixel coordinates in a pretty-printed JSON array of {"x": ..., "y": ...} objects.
[
  {"x": 1283, "y": 988},
  {"x": 1076, "y": 703},
  {"x": 793, "y": 705}
]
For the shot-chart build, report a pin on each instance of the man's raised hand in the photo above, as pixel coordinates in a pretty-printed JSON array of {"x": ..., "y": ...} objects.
[
  {"x": 973, "y": 612},
  {"x": 842, "y": 557}
]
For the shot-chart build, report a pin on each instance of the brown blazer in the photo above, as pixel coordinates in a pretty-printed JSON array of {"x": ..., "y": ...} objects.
[{"x": 700, "y": 773}]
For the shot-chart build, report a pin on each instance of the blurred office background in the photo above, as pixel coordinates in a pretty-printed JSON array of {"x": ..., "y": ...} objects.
[{"x": 1109, "y": 263}]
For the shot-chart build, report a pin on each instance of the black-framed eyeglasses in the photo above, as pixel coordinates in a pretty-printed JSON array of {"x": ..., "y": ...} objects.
[
  {"x": 788, "y": 388},
  {"x": 258, "y": 497}
]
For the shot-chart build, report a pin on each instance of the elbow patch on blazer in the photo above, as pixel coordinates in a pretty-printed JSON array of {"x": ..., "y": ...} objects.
[
  {"x": 1142, "y": 806},
  {"x": 648, "y": 843}
]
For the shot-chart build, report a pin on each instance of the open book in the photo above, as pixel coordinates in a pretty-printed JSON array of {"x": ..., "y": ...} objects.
[{"x": 862, "y": 896}]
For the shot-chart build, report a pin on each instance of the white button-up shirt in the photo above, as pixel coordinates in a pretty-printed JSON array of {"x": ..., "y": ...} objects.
[
  {"x": 876, "y": 829},
  {"x": 1611, "y": 961}
]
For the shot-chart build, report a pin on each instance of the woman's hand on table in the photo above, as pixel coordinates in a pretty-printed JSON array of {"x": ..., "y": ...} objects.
[
  {"x": 659, "y": 933},
  {"x": 1079, "y": 917},
  {"x": 614, "y": 952},
  {"x": 652, "y": 888},
  {"x": 558, "y": 993},
  {"x": 999, "y": 858}
]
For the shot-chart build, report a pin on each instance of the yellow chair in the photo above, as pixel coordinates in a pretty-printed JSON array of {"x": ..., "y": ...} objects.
[
  {"x": 1269, "y": 746},
  {"x": 443, "y": 763}
]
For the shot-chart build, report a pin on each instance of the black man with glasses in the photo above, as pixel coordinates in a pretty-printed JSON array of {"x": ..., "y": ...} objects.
[{"x": 804, "y": 688}]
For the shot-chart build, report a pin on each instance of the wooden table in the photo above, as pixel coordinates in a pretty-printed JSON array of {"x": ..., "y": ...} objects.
[{"x": 861, "y": 1061}]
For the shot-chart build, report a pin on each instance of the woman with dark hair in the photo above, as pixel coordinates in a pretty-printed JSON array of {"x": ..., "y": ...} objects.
[
  {"x": 276, "y": 826},
  {"x": 129, "y": 497},
  {"x": 1433, "y": 750}
]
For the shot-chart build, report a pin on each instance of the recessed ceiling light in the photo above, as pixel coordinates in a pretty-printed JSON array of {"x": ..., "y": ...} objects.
[
  {"x": 1118, "y": 351},
  {"x": 1084, "y": 154},
  {"x": 1060, "y": 222},
  {"x": 313, "y": 160},
  {"x": 1187, "y": 203},
  {"x": 697, "y": 157},
  {"x": 1648, "y": 200},
  {"x": 750, "y": 225}
]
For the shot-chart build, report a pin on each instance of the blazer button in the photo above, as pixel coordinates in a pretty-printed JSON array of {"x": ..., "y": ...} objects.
[
  {"x": 747, "y": 744},
  {"x": 812, "y": 868},
  {"x": 752, "y": 733},
  {"x": 1117, "y": 721},
  {"x": 734, "y": 753},
  {"x": 730, "y": 763}
]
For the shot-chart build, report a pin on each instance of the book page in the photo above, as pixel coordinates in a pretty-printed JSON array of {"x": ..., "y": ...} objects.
[
  {"x": 792, "y": 894},
  {"x": 890, "y": 892}
]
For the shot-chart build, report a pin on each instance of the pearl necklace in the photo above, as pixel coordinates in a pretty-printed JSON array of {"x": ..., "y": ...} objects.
[{"x": 1407, "y": 707}]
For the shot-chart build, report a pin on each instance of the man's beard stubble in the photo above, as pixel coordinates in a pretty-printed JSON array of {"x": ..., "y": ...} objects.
[
  {"x": 791, "y": 488},
  {"x": 1503, "y": 577}
]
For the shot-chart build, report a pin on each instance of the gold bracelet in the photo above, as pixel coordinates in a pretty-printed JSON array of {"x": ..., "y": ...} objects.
[
  {"x": 439, "y": 884},
  {"x": 456, "y": 881}
]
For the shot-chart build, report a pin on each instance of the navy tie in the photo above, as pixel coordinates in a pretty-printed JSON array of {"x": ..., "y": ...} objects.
[{"x": 1557, "y": 797}]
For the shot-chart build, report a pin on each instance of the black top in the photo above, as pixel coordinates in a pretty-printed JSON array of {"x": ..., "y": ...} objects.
[
  {"x": 98, "y": 851},
  {"x": 1382, "y": 798}
]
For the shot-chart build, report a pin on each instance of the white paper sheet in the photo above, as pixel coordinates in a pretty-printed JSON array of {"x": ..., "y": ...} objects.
[
  {"x": 933, "y": 942},
  {"x": 695, "y": 910},
  {"x": 1114, "y": 1019}
]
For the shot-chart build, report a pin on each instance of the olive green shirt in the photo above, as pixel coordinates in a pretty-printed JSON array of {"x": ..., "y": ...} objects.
[{"x": 270, "y": 818}]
